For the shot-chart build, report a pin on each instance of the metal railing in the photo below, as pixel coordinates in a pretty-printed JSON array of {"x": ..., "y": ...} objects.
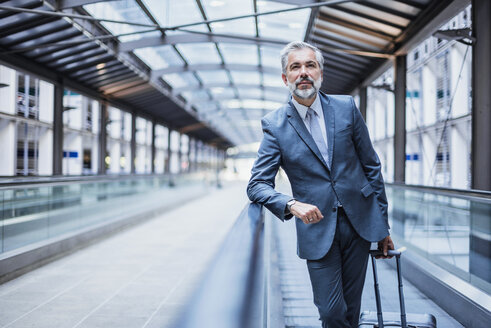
[
  {"x": 36, "y": 210},
  {"x": 451, "y": 228},
  {"x": 235, "y": 291}
]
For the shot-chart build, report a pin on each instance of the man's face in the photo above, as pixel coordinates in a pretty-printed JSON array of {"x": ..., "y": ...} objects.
[{"x": 303, "y": 74}]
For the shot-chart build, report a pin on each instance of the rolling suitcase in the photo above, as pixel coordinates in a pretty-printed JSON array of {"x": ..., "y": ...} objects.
[{"x": 393, "y": 319}]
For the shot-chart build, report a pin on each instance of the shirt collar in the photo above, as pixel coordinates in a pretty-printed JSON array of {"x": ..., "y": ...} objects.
[{"x": 302, "y": 110}]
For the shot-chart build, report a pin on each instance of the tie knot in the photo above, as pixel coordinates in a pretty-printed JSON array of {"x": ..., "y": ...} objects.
[{"x": 310, "y": 112}]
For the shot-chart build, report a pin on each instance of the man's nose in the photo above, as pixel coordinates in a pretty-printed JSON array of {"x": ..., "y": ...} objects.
[{"x": 303, "y": 71}]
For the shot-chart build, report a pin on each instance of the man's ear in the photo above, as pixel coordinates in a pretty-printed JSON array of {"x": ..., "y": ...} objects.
[{"x": 283, "y": 76}]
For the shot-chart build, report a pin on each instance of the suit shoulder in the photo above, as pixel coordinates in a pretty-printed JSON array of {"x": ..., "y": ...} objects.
[
  {"x": 276, "y": 117},
  {"x": 343, "y": 99}
]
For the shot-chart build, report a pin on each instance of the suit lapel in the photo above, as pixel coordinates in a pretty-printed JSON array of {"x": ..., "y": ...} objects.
[
  {"x": 329, "y": 121},
  {"x": 297, "y": 123}
]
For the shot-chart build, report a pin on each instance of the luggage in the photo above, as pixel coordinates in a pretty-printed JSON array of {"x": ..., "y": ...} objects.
[{"x": 381, "y": 319}]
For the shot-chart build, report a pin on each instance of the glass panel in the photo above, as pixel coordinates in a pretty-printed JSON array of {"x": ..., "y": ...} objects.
[
  {"x": 193, "y": 96},
  {"x": 288, "y": 25},
  {"x": 243, "y": 26},
  {"x": 199, "y": 53},
  {"x": 250, "y": 103},
  {"x": 159, "y": 57},
  {"x": 26, "y": 214},
  {"x": 213, "y": 77},
  {"x": 215, "y": 9},
  {"x": 179, "y": 80},
  {"x": 171, "y": 13},
  {"x": 250, "y": 93},
  {"x": 126, "y": 10},
  {"x": 239, "y": 53},
  {"x": 246, "y": 77},
  {"x": 277, "y": 96},
  {"x": 270, "y": 56},
  {"x": 452, "y": 232},
  {"x": 273, "y": 80},
  {"x": 223, "y": 92},
  {"x": 206, "y": 106}
]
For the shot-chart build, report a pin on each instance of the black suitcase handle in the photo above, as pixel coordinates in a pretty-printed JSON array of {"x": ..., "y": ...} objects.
[{"x": 397, "y": 254}]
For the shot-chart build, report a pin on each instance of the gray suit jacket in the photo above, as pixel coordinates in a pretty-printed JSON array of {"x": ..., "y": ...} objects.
[{"x": 353, "y": 173}]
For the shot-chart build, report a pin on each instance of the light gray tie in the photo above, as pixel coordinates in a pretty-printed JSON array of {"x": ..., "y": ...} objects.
[{"x": 316, "y": 132}]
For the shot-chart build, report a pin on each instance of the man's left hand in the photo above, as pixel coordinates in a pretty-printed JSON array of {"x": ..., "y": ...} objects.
[{"x": 384, "y": 245}]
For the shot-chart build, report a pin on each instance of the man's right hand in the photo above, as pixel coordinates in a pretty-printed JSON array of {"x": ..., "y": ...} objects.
[{"x": 306, "y": 212}]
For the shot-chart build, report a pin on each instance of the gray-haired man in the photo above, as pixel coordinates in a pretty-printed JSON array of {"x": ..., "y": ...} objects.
[{"x": 339, "y": 199}]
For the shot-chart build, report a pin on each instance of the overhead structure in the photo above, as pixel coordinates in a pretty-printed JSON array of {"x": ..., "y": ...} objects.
[{"x": 207, "y": 67}]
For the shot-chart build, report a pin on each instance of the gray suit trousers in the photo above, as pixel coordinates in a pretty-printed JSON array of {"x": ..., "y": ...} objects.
[{"x": 338, "y": 278}]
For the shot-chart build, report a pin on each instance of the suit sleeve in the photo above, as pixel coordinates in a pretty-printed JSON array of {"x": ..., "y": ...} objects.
[
  {"x": 261, "y": 185},
  {"x": 369, "y": 159}
]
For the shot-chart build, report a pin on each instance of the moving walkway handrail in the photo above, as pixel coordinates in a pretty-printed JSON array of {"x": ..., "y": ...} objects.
[
  {"x": 471, "y": 194},
  {"x": 231, "y": 293},
  {"x": 14, "y": 183}
]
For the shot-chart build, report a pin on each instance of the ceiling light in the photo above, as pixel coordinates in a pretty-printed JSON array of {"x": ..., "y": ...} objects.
[
  {"x": 101, "y": 65},
  {"x": 217, "y": 3},
  {"x": 295, "y": 25},
  {"x": 217, "y": 25},
  {"x": 217, "y": 90}
]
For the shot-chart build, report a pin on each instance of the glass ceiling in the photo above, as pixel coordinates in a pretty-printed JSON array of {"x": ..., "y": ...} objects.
[{"x": 213, "y": 75}]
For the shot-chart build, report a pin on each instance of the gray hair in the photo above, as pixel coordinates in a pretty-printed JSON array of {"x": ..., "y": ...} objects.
[{"x": 297, "y": 45}]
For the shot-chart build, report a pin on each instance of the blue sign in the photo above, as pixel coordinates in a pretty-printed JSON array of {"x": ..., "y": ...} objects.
[{"x": 70, "y": 154}]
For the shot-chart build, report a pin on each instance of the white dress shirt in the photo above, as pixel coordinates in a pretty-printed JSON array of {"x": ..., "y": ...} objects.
[{"x": 317, "y": 108}]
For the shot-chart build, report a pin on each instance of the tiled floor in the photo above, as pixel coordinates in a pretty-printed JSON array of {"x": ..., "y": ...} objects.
[
  {"x": 297, "y": 293},
  {"x": 140, "y": 277}
]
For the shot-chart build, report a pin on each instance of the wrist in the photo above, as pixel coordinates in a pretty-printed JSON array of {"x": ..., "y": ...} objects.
[{"x": 290, "y": 203}]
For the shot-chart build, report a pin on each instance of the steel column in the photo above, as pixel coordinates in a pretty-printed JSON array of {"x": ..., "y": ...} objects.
[
  {"x": 169, "y": 152},
  {"x": 58, "y": 128},
  {"x": 363, "y": 102},
  {"x": 400, "y": 119},
  {"x": 102, "y": 138},
  {"x": 133, "y": 143},
  {"x": 152, "y": 164},
  {"x": 179, "y": 154},
  {"x": 481, "y": 99}
]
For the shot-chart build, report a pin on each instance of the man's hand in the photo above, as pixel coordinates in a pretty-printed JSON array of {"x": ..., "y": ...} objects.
[
  {"x": 306, "y": 212},
  {"x": 384, "y": 245}
]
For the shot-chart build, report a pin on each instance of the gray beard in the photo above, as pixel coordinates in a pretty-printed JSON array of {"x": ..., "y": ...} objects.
[{"x": 305, "y": 93}]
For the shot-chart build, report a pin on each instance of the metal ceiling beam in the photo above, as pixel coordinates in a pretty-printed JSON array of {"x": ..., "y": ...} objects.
[
  {"x": 295, "y": 2},
  {"x": 329, "y": 47},
  {"x": 131, "y": 90},
  {"x": 28, "y": 6},
  {"x": 75, "y": 58},
  {"x": 347, "y": 41},
  {"x": 13, "y": 10},
  {"x": 388, "y": 10},
  {"x": 195, "y": 38},
  {"x": 433, "y": 17},
  {"x": 412, "y": 3},
  {"x": 356, "y": 27},
  {"x": 22, "y": 25},
  {"x": 65, "y": 4},
  {"x": 88, "y": 78},
  {"x": 264, "y": 13},
  {"x": 212, "y": 67},
  {"x": 94, "y": 69},
  {"x": 65, "y": 54},
  {"x": 229, "y": 85},
  {"x": 225, "y": 98},
  {"x": 369, "y": 17}
]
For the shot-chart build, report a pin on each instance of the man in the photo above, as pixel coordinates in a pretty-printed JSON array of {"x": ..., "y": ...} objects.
[{"x": 339, "y": 201}]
